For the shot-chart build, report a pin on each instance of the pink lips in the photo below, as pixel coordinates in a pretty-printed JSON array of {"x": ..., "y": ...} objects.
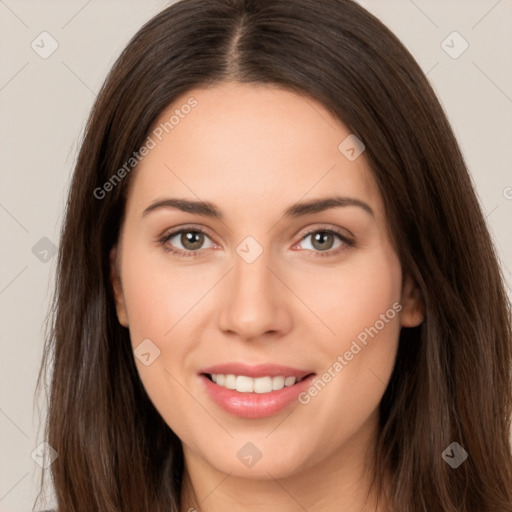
[{"x": 255, "y": 405}]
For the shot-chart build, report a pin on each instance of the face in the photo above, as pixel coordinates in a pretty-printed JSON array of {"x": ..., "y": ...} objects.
[{"x": 253, "y": 289}]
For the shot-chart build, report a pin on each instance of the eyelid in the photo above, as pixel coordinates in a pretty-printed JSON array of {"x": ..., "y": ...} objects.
[
  {"x": 327, "y": 227},
  {"x": 169, "y": 233},
  {"x": 347, "y": 242}
]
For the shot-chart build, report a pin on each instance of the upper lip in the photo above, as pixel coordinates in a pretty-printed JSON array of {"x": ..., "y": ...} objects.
[{"x": 260, "y": 370}]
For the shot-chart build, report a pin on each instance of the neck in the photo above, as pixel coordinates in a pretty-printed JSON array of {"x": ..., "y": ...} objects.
[{"x": 340, "y": 482}]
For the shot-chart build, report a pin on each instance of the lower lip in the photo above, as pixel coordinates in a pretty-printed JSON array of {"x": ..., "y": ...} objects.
[{"x": 255, "y": 405}]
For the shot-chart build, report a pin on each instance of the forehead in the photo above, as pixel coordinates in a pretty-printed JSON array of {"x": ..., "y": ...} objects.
[{"x": 249, "y": 146}]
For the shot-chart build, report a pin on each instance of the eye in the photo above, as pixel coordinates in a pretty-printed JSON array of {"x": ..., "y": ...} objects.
[
  {"x": 190, "y": 239},
  {"x": 326, "y": 242}
]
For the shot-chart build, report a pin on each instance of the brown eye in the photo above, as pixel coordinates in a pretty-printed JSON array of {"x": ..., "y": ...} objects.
[
  {"x": 186, "y": 242},
  {"x": 191, "y": 240},
  {"x": 322, "y": 240},
  {"x": 326, "y": 242}
]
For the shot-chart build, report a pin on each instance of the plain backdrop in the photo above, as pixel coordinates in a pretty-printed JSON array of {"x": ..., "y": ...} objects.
[{"x": 45, "y": 101}]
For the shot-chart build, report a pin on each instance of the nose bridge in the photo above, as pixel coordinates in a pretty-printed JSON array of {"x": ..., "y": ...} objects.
[
  {"x": 252, "y": 278},
  {"x": 253, "y": 302}
]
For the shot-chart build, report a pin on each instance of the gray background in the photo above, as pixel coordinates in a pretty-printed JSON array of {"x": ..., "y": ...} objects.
[{"x": 44, "y": 104}]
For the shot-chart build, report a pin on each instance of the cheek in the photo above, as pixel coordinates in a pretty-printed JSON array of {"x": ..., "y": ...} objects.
[
  {"x": 354, "y": 297},
  {"x": 157, "y": 295},
  {"x": 363, "y": 308},
  {"x": 159, "y": 302}
]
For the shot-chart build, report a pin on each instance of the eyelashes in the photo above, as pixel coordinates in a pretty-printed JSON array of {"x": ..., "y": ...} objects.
[
  {"x": 345, "y": 242},
  {"x": 164, "y": 242}
]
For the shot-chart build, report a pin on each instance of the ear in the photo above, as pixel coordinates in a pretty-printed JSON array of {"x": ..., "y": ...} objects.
[
  {"x": 115, "y": 279},
  {"x": 413, "y": 307}
]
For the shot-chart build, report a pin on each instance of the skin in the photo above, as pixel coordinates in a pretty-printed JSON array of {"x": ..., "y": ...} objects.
[{"x": 254, "y": 150}]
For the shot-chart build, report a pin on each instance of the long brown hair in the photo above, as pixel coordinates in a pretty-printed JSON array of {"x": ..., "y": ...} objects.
[{"x": 452, "y": 377}]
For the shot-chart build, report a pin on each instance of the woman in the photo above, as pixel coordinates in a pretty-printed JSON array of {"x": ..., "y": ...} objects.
[{"x": 276, "y": 288}]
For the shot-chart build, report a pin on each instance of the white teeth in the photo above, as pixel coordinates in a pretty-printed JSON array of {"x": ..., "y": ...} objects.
[
  {"x": 245, "y": 384},
  {"x": 263, "y": 385},
  {"x": 289, "y": 381},
  {"x": 278, "y": 382},
  {"x": 230, "y": 381}
]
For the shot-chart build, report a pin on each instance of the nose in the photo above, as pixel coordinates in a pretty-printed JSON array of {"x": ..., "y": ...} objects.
[{"x": 255, "y": 303}]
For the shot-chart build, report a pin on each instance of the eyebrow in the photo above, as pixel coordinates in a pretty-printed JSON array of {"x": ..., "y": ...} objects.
[{"x": 296, "y": 210}]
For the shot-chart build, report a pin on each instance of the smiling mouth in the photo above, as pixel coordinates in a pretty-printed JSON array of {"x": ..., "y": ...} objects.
[{"x": 246, "y": 384}]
